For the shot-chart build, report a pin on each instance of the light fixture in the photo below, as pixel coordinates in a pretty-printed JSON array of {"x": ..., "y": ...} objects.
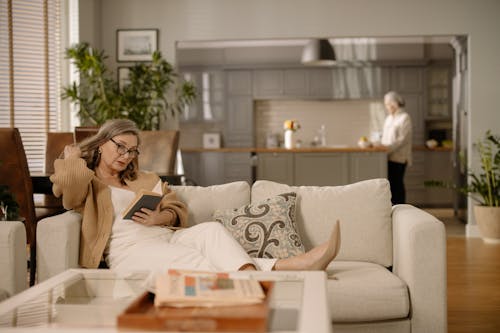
[{"x": 318, "y": 52}]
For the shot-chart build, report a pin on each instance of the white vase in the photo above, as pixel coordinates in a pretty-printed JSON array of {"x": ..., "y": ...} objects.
[
  {"x": 488, "y": 221},
  {"x": 289, "y": 141}
]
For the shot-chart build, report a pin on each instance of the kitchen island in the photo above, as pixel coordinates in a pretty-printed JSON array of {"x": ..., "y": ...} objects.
[{"x": 334, "y": 165}]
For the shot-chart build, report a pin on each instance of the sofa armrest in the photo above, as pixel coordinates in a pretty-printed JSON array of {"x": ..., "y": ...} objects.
[
  {"x": 12, "y": 258},
  {"x": 57, "y": 244},
  {"x": 420, "y": 260}
]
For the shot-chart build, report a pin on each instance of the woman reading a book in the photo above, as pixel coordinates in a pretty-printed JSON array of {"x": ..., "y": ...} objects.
[{"x": 99, "y": 178}]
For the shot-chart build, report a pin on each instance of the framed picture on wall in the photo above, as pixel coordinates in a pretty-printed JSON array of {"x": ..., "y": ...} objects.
[
  {"x": 136, "y": 44},
  {"x": 123, "y": 78}
]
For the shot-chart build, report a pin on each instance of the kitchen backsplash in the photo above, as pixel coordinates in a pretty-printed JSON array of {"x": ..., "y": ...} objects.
[{"x": 345, "y": 121}]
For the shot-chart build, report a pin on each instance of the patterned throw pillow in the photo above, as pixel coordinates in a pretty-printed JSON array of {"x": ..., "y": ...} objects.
[{"x": 265, "y": 229}]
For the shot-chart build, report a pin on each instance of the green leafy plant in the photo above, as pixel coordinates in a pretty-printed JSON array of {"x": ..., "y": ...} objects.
[
  {"x": 153, "y": 92},
  {"x": 484, "y": 186}
]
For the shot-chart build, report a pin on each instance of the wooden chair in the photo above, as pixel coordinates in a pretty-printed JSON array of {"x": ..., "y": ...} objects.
[
  {"x": 83, "y": 132},
  {"x": 158, "y": 151},
  {"x": 16, "y": 175},
  {"x": 56, "y": 141}
]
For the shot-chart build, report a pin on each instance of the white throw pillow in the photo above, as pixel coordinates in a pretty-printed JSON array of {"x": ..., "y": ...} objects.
[
  {"x": 203, "y": 201},
  {"x": 363, "y": 208}
]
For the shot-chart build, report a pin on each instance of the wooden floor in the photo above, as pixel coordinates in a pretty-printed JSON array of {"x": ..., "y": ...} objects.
[{"x": 473, "y": 281}]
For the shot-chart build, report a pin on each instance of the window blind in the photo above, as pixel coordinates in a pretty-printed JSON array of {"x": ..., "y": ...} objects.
[{"x": 30, "y": 49}]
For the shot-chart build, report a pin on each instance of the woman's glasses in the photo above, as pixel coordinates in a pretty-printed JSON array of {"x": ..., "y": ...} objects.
[{"x": 122, "y": 150}]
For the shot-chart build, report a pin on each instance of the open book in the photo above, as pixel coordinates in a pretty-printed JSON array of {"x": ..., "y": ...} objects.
[
  {"x": 179, "y": 288},
  {"x": 143, "y": 199}
]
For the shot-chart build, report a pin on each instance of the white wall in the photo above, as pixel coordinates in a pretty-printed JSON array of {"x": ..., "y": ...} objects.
[{"x": 181, "y": 20}]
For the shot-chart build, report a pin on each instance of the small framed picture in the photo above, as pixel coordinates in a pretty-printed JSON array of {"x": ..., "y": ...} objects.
[
  {"x": 211, "y": 140},
  {"x": 136, "y": 44},
  {"x": 123, "y": 77}
]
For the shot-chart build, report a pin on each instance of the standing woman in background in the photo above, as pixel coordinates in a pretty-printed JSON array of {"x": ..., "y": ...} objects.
[{"x": 397, "y": 137}]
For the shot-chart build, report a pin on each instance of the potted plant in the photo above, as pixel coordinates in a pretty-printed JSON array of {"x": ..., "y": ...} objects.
[
  {"x": 9, "y": 208},
  {"x": 154, "y": 90},
  {"x": 484, "y": 187}
]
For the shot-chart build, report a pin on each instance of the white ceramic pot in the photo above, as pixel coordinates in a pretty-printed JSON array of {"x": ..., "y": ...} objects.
[
  {"x": 488, "y": 221},
  {"x": 289, "y": 140}
]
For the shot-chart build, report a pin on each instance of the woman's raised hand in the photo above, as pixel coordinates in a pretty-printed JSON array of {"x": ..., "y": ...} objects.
[{"x": 72, "y": 151}]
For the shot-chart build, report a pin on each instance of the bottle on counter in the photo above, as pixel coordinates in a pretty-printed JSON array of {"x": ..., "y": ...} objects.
[{"x": 322, "y": 135}]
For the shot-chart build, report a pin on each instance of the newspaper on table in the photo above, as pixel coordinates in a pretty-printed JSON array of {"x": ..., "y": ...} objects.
[{"x": 181, "y": 288}]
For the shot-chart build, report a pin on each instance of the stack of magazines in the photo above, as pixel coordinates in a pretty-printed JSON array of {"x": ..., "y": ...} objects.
[{"x": 180, "y": 288}]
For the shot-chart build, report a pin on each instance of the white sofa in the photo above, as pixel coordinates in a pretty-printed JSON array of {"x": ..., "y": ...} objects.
[
  {"x": 13, "y": 278},
  {"x": 390, "y": 274}
]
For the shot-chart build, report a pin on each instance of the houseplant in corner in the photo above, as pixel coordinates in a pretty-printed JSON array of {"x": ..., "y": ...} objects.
[
  {"x": 484, "y": 187},
  {"x": 153, "y": 93}
]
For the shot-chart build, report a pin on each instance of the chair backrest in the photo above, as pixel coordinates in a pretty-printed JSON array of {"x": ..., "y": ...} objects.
[
  {"x": 15, "y": 174},
  {"x": 56, "y": 141},
  {"x": 83, "y": 132},
  {"x": 158, "y": 151}
]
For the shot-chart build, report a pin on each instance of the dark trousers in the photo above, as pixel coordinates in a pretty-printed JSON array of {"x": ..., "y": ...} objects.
[{"x": 396, "y": 174}]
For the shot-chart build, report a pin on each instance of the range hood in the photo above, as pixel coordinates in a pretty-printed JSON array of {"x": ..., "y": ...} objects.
[{"x": 318, "y": 52}]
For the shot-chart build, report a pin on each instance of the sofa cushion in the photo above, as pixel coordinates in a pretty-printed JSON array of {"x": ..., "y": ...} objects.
[
  {"x": 265, "y": 229},
  {"x": 202, "y": 201},
  {"x": 363, "y": 291},
  {"x": 363, "y": 208}
]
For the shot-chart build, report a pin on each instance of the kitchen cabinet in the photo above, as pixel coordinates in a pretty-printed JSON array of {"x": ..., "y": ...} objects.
[
  {"x": 239, "y": 82},
  {"x": 414, "y": 180},
  {"x": 276, "y": 167},
  {"x": 267, "y": 83},
  {"x": 296, "y": 82},
  {"x": 209, "y": 103},
  {"x": 237, "y": 167},
  {"x": 438, "y": 165},
  {"x": 212, "y": 168},
  {"x": 408, "y": 79},
  {"x": 292, "y": 83},
  {"x": 360, "y": 82},
  {"x": 367, "y": 165},
  {"x": 438, "y": 93},
  {"x": 320, "y": 83},
  {"x": 319, "y": 169},
  {"x": 239, "y": 128}
]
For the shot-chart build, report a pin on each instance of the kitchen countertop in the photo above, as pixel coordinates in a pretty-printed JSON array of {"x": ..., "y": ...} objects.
[{"x": 332, "y": 149}]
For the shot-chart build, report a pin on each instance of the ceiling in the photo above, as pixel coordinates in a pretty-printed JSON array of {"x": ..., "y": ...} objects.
[{"x": 288, "y": 51}]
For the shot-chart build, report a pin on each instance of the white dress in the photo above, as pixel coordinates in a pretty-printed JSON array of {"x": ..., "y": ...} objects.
[{"x": 205, "y": 246}]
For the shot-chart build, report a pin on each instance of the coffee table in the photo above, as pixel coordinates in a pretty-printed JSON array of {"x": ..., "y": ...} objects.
[{"x": 79, "y": 300}]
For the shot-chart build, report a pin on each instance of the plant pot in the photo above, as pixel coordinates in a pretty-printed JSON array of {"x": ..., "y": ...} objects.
[{"x": 488, "y": 221}]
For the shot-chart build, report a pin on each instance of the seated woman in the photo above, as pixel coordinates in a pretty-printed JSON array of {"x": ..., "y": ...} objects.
[{"x": 99, "y": 178}]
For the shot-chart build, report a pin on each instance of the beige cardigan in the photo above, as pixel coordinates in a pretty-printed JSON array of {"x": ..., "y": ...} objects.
[{"x": 82, "y": 191}]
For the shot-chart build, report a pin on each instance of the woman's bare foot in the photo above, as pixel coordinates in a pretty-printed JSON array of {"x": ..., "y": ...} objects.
[{"x": 317, "y": 258}]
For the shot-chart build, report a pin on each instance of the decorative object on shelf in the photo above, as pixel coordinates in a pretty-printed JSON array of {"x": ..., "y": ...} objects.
[
  {"x": 136, "y": 44},
  {"x": 484, "y": 187},
  {"x": 153, "y": 90},
  {"x": 290, "y": 127},
  {"x": 211, "y": 140}
]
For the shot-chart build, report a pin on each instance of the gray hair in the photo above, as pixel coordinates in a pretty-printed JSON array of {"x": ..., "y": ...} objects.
[
  {"x": 396, "y": 98},
  {"x": 110, "y": 129}
]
